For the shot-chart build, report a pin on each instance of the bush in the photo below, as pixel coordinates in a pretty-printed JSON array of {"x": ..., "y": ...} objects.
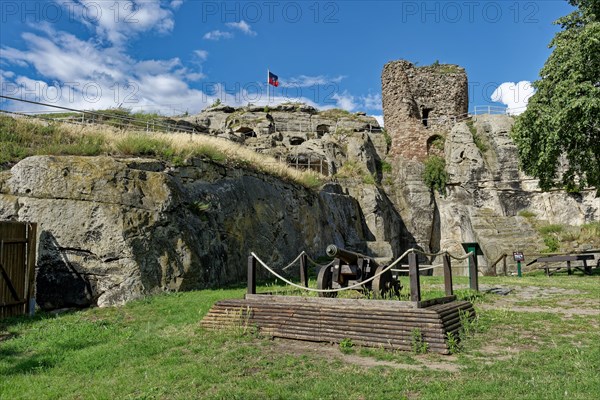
[
  {"x": 551, "y": 243},
  {"x": 476, "y": 138},
  {"x": 386, "y": 167},
  {"x": 388, "y": 138},
  {"x": 435, "y": 175}
]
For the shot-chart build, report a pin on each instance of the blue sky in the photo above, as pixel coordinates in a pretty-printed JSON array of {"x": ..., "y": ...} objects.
[{"x": 175, "y": 56}]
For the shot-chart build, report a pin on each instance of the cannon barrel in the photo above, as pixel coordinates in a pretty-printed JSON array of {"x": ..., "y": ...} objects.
[{"x": 349, "y": 257}]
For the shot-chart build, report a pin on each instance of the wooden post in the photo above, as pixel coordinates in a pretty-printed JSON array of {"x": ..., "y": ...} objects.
[
  {"x": 448, "y": 275},
  {"x": 413, "y": 273},
  {"x": 473, "y": 273},
  {"x": 504, "y": 269},
  {"x": 304, "y": 269},
  {"x": 31, "y": 261},
  {"x": 586, "y": 269},
  {"x": 251, "y": 275}
]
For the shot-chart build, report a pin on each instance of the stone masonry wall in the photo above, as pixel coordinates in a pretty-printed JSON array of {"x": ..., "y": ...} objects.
[{"x": 420, "y": 103}]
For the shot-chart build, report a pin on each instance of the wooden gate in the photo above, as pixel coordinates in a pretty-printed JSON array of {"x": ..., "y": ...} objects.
[{"x": 17, "y": 267}]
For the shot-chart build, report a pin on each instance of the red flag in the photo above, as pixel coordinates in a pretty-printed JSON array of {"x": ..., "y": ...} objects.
[{"x": 273, "y": 79}]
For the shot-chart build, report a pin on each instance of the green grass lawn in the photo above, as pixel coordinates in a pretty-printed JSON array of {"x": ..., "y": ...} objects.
[{"x": 155, "y": 349}]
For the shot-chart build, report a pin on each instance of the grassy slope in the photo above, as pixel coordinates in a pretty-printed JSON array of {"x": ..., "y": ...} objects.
[
  {"x": 20, "y": 138},
  {"x": 155, "y": 348}
]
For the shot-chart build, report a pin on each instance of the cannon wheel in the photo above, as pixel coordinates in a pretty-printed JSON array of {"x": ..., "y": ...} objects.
[
  {"x": 384, "y": 283},
  {"x": 324, "y": 281}
]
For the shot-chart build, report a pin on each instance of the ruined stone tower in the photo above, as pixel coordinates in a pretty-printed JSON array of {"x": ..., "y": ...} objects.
[{"x": 421, "y": 104}]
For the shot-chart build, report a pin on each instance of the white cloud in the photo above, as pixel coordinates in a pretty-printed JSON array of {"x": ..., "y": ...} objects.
[
  {"x": 372, "y": 101},
  {"x": 85, "y": 75},
  {"x": 119, "y": 21},
  {"x": 7, "y": 74},
  {"x": 514, "y": 95},
  {"x": 175, "y": 4},
  {"x": 379, "y": 119},
  {"x": 217, "y": 35},
  {"x": 242, "y": 26},
  {"x": 202, "y": 55},
  {"x": 307, "y": 81},
  {"x": 345, "y": 101}
]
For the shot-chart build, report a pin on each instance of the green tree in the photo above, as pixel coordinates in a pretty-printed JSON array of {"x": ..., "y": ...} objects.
[{"x": 562, "y": 121}]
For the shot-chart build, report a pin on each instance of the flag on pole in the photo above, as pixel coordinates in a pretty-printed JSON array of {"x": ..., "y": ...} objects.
[{"x": 273, "y": 79}]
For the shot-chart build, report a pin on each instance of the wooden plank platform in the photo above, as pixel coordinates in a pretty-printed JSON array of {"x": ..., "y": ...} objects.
[{"x": 373, "y": 323}]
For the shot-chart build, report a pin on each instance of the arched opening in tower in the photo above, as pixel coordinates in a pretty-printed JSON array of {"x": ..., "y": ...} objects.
[{"x": 435, "y": 146}]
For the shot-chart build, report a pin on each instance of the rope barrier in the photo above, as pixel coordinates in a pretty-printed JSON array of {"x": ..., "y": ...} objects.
[
  {"x": 313, "y": 262},
  {"x": 389, "y": 267},
  {"x": 461, "y": 258},
  {"x": 293, "y": 262},
  {"x": 332, "y": 290},
  {"x": 404, "y": 269},
  {"x": 442, "y": 253}
]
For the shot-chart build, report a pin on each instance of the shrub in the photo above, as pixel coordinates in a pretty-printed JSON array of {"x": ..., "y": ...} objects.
[
  {"x": 438, "y": 143},
  {"x": 551, "y": 243},
  {"x": 476, "y": 138},
  {"x": 388, "y": 138},
  {"x": 418, "y": 343},
  {"x": 435, "y": 175},
  {"x": 346, "y": 346},
  {"x": 386, "y": 167}
]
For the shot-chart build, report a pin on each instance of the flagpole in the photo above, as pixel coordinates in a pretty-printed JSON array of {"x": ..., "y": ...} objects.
[{"x": 268, "y": 88}]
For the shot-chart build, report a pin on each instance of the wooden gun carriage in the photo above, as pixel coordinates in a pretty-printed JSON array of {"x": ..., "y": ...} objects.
[{"x": 350, "y": 268}]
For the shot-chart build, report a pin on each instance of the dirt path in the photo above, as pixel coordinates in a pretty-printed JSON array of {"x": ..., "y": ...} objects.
[{"x": 332, "y": 352}]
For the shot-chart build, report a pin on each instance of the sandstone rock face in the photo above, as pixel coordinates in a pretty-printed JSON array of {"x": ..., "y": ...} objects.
[
  {"x": 423, "y": 110},
  {"x": 298, "y": 133},
  {"x": 113, "y": 230},
  {"x": 487, "y": 191},
  {"x": 420, "y": 105}
]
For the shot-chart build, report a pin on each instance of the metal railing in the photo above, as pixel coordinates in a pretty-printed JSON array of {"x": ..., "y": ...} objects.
[
  {"x": 125, "y": 123},
  {"x": 98, "y": 117},
  {"x": 496, "y": 110}
]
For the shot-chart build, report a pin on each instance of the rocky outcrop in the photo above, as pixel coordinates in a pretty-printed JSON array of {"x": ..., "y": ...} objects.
[
  {"x": 486, "y": 192},
  {"x": 297, "y": 133},
  {"x": 420, "y": 105},
  {"x": 112, "y": 230},
  {"x": 425, "y": 112}
]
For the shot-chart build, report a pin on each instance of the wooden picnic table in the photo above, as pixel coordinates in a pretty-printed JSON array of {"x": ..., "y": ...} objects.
[{"x": 587, "y": 269}]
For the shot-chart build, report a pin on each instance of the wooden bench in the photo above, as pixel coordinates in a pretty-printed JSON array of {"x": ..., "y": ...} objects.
[{"x": 587, "y": 269}]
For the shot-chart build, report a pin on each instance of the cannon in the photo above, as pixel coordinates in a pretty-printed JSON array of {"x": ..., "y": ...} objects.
[{"x": 350, "y": 268}]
